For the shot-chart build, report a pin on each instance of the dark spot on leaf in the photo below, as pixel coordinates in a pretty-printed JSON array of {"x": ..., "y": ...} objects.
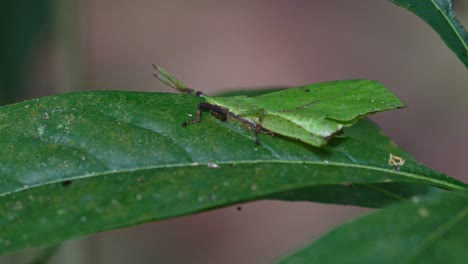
[
  {"x": 306, "y": 90},
  {"x": 140, "y": 180},
  {"x": 66, "y": 183}
]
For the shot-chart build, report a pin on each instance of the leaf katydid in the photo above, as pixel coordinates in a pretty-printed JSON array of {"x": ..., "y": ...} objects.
[{"x": 311, "y": 113}]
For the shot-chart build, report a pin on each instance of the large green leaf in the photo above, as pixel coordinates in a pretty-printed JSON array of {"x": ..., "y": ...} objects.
[
  {"x": 440, "y": 16},
  {"x": 433, "y": 230},
  {"x": 78, "y": 163}
]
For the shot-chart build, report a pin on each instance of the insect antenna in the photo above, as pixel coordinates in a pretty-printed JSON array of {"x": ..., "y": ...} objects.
[{"x": 173, "y": 82}]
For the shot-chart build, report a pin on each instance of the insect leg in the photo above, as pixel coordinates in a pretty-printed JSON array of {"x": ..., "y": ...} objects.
[
  {"x": 221, "y": 113},
  {"x": 257, "y": 129}
]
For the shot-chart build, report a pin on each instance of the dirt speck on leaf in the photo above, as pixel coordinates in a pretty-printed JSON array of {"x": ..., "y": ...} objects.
[
  {"x": 423, "y": 212},
  {"x": 212, "y": 165},
  {"x": 394, "y": 160}
]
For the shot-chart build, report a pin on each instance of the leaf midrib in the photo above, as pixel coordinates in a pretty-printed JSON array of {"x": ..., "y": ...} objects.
[
  {"x": 437, "y": 182},
  {"x": 452, "y": 26}
]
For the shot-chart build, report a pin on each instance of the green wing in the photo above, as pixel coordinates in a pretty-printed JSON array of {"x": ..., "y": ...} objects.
[
  {"x": 325, "y": 107},
  {"x": 312, "y": 113}
]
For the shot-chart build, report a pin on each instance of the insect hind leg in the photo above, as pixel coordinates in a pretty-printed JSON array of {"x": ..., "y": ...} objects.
[{"x": 257, "y": 129}]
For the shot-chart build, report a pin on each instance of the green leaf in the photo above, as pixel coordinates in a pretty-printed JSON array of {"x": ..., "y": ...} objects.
[
  {"x": 440, "y": 16},
  {"x": 79, "y": 163},
  {"x": 433, "y": 230}
]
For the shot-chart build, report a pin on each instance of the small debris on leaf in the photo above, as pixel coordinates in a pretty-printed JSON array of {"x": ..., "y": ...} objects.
[
  {"x": 66, "y": 183},
  {"x": 394, "y": 160},
  {"x": 212, "y": 165},
  {"x": 423, "y": 212}
]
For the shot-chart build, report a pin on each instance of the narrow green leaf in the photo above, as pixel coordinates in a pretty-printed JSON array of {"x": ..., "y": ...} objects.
[
  {"x": 433, "y": 230},
  {"x": 440, "y": 16},
  {"x": 79, "y": 163}
]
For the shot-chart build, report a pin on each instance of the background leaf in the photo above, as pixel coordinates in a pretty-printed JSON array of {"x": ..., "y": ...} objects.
[
  {"x": 440, "y": 16},
  {"x": 22, "y": 24},
  {"x": 433, "y": 230},
  {"x": 78, "y": 163}
]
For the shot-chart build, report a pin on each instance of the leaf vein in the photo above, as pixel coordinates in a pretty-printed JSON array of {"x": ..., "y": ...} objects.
[{"x": 451, "y": 23}]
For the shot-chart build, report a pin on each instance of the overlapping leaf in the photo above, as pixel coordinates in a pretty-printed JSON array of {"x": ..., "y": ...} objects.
[
  {"x": 440, "y": 16},
  {"x": 433, "y": 230}
]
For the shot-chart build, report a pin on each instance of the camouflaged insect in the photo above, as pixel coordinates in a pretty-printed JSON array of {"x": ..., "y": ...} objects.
[{"x": 312, "y": 113}]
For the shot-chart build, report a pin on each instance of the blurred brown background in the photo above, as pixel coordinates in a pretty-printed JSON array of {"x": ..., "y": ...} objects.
[{"x": 58, "y": 46}]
